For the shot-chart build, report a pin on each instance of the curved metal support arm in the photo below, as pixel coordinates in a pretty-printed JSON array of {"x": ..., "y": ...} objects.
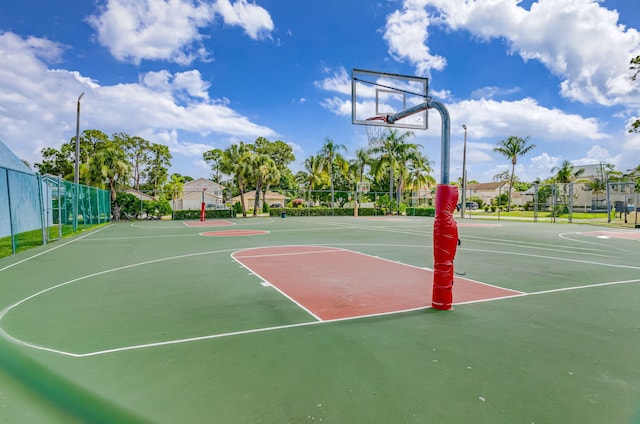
[{"x": 446, "y": 132}]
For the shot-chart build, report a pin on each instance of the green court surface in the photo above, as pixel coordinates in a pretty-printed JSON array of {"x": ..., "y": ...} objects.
[{"x": 162, "y": 322}]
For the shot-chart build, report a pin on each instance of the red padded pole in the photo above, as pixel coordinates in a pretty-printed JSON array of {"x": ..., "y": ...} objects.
[{"x": 445, "y": 243}]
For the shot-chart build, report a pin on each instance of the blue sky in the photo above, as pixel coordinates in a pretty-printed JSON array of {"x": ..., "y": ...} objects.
[{"x": 202, "y": 75}]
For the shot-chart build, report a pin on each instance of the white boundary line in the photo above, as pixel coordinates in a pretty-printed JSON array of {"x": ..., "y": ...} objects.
[
  {"x": 553, "y": 258},
  {"x": 187, "y": 224},
  {"x": 301, "y": 324}
]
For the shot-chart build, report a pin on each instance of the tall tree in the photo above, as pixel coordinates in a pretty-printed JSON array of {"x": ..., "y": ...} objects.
[
  {"x": 362, "y": 160},
  {"x": 312, "y": 175},
  {"x": 418, "y": 174},
  {"x": 175, "y": 186},
  {"x": 57, "y": 162},
  {"x": 262, "y": 170},
  {"x": 157, "y": 170},
  {"x": 138, "y": 152},
  {"x": 330, "y": 154},
  {"x": 635, "y": 67},
  {"x": 279, "y": 151},
  {"x": 236, "y": 161},
  {"x": 392, "y": 154},
  {"x": 213, "y": 157},
  {"x": 513, "y": 147},
  {"x": 109, "y": 168},
  {"x": 565, "y": 174}
]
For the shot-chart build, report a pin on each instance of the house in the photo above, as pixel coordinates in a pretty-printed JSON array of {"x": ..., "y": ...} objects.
[
  {"x": 197, "y": 191},
  {"x": 272, "y": 198},
  {"x": 139, "y": 195},
  {"x": 489, "y": 191}
]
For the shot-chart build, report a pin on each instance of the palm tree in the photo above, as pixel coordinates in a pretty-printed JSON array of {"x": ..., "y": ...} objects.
[
  {"x": 236, "y": 161},
  {"x": 512, "y": 147},
  {"x": 175, "y": 186},
  {"x": 565, "y": 175},
  {"x": 394, "y": 152},
  {"x": 261, "y": 167},
  {"x": 363, "y": 158},
  {"x": 109, "y": 168},
  {"x": 214, "y": 156},
  {"x": 313, "y": 173},
  {"x": 330, "y": 153},
  {"x": 419, "y": 174}
]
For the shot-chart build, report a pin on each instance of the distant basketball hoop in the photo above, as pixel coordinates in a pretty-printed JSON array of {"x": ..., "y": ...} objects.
[{"x": 363, "y": 187}]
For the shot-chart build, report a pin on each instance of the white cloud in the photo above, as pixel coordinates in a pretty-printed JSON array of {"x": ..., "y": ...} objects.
[
  {"x": 340, "y": 107},
  {"x": 254, "y": 19},
  {"x": 570, "y": 40},
  {"x": 524, "y": 117},
  {"x": 492, "y": 92},
  {"x": 38, "y": 105},
  {"x": 597, "y": 154},
  {"x": 188, "y": 83},
  {"x": 541, "y": 165},
  {"x": 339, "y": 82},
  {"x": 406, "y": 33},
  {"x": 136, "y": 30}
]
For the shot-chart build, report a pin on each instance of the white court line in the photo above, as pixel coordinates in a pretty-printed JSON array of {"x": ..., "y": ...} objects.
[
  {"x": 142, "y": 237},
  {"x": 258, "y": 330},
  {"x": 6, "y": 310},
  {"x": 58, "y": 246},
  {"x": 597, "y": 243},
  {"x": 302, "y": 324},
  {"x": 554, "y": 258}
]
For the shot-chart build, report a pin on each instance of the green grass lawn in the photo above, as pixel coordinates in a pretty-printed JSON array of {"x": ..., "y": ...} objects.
[{"x": 31, "y": 239}]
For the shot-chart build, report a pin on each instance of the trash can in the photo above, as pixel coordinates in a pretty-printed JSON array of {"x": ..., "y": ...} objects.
[{"x": 283, "y": 214}]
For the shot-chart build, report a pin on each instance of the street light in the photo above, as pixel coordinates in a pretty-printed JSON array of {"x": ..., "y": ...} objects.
[
  {"x": 464, "y": 173},
  {"x": 76, "y": 175}
]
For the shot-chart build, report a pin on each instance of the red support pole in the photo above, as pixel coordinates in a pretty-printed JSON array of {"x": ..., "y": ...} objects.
[
  {"x": 203, "y": 214},
  {"x": 445, "y": 243}
]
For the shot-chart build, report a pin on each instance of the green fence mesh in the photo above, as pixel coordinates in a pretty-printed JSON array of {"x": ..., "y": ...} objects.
[{"x": 37, "y": 209}]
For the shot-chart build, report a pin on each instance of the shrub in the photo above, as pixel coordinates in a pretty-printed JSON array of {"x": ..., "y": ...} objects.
[{"x": 421, "y": 211}]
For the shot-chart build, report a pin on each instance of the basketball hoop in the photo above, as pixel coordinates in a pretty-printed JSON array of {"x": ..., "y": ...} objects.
[{"x": 363, "y": 187}]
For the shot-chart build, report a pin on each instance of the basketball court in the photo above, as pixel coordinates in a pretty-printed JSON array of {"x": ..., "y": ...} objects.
[{"x": 310, "y": 319}]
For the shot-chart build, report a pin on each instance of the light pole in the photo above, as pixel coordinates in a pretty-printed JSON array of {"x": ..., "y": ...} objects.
[
  {"x": 76, "y": 174},
  {"x": 464, "y": 173}
]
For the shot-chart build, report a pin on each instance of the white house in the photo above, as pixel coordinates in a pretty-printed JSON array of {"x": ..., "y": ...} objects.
[{"x": 197, "y": 191}]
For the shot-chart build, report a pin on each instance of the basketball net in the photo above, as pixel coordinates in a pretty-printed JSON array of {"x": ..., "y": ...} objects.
[{"x": 375, "y": 134}]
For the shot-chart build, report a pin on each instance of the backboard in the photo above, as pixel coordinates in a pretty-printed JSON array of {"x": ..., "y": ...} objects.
[{"x": 377, "y": 95}]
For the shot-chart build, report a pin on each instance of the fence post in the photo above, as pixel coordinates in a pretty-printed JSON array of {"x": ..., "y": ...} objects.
[{"x": 42, "y": 209}]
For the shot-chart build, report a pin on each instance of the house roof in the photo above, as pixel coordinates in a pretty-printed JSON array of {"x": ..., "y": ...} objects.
[
  {"x": 139, "y": 194},
  {"x": 201, "y": 182},
  {"x": 492, "y": 186}
]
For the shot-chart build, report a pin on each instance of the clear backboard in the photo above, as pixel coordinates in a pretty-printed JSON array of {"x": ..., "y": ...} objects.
[{"x": 378, "y": 95}]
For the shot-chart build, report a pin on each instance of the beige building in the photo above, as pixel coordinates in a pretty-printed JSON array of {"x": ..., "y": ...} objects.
[
  {"x": 272, "y": 198},
  {"x": 196, "y": 191},
  {"x": 489, "y": 191}
]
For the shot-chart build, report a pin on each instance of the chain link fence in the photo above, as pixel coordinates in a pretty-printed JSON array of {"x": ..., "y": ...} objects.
[{"x": 37, "y": 209}]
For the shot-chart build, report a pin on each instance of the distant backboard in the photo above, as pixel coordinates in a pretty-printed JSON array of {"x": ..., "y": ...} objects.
[{"x": 376, "y": 95}]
